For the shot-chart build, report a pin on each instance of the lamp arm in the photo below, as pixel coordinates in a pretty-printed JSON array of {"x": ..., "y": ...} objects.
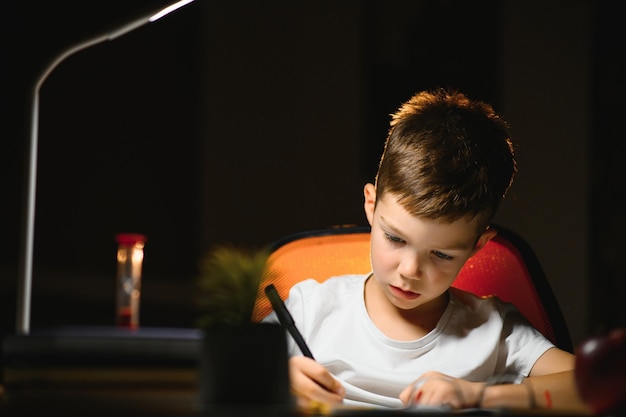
[
  {"x": 26, "y": 261},
  {"x": 26, "y": 256}
]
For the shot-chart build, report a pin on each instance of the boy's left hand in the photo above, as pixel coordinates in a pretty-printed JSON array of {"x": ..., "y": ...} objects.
[{"x": 437, "y": 389}]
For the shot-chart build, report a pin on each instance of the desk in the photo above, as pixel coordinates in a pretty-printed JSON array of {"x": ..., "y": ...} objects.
[
  {"x": 101, "y": 371},
  {"x": 445, "y": 413},
  {"x": 97, "y": 408},
  {"x": 87, "y": 372}
]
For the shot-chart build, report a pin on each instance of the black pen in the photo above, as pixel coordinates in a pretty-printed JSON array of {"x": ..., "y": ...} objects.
[{"x": 286, "y": 320}]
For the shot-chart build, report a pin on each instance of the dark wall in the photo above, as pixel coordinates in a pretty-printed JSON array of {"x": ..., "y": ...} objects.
[
  {"x": 608, "y": 186},
  {"x": 221, "y": 123},
  {"x": 236, "y": 123},
  {"x": 547, "y": 49},
  {"x": 298, "y": 95}
]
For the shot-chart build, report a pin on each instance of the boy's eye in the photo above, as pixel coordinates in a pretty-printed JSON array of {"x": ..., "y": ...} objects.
[
  {"x": 393, "y": 239},
  {"x": 443, "y": 256}
]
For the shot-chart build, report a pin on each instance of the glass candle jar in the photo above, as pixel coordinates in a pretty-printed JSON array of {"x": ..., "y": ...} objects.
[{"x": 129, "y": 265}]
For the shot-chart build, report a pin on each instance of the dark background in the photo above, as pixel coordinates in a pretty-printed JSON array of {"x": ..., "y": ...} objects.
[{"x": 241, "y": 122}]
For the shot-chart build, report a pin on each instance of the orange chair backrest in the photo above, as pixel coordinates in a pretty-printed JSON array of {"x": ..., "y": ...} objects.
[
  {"x": 505, "y": 267},
  {"x": 317, "y": 256}
]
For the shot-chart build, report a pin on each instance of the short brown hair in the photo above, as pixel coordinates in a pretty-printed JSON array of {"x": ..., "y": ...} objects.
[{"x": 447, "y": 157}]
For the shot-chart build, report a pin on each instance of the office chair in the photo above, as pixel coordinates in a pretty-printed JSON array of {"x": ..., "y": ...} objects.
[{"x": 507, "y": 267}]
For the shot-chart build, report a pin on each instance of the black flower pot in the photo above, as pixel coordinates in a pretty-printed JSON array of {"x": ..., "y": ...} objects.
[{"x": 245, "y": 367}]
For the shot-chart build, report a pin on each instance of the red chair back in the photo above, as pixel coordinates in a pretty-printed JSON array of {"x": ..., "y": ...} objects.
[{"x": 506, "y": 267}]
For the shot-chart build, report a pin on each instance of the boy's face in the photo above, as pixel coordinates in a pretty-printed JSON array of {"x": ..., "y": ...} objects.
[{"x": 415, "y": 260}]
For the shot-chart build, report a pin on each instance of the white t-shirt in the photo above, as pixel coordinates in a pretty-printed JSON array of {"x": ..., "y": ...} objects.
[{"x": 474, "y": 339}]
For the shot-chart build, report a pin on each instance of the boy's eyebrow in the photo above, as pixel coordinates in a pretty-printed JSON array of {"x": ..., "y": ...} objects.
[
  {"x": 453, "y": 246},
  {"x": 383, "y": 220}
]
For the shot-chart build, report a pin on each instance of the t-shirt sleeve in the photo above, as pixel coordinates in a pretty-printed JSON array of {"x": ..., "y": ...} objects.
[{"x": 524, "y": 343}]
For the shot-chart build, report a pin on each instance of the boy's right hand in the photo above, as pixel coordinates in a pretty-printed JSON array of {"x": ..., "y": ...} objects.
[{"x": 311, "y": 383}]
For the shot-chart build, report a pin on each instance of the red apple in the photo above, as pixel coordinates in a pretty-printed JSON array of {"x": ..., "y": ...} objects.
[{"x": 601, "y": 372}]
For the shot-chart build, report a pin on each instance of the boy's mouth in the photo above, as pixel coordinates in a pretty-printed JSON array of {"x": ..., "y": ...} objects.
[{"x": 406, "y": 295}]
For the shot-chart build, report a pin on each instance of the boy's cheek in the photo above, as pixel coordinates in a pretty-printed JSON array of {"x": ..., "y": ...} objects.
[{"x": 383, "y": 260}]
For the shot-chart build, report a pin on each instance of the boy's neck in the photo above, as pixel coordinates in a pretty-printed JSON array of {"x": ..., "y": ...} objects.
[{"x": 401, "y": 324}]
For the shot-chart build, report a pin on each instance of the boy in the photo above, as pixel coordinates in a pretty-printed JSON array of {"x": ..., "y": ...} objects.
[{"x": 401, "y": 335}]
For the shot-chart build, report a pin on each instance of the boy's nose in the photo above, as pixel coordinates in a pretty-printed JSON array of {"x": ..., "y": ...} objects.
[{"x": 410, "y": 266}]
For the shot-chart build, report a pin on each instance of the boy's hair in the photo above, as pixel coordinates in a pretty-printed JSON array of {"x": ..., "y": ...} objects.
[{"x": 447, "y": 157}]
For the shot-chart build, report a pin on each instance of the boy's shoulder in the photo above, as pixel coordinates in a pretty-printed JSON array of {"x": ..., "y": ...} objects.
[
  {"x": 332, "y": 283},
  {"x": 328, "y": 297},
  {"x": 470, "y": 301}
]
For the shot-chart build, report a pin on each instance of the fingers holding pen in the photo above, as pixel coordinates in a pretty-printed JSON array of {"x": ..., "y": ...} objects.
[{"x": 311, "y": 382}]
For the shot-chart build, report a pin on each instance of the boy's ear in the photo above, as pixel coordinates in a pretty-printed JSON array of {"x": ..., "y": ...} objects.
[
  {"x": 369, "y": 192},
  {"x": 485, "y": 237}
]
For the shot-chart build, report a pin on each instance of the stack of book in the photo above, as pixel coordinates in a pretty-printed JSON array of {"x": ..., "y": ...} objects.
[{"x": 108, "y": 371}]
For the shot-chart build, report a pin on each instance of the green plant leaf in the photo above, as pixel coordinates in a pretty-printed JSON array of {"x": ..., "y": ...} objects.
[{"x": 228, "y": 284}]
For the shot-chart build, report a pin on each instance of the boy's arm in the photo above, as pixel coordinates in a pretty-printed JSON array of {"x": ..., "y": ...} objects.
[
  {"x": 554, "y": 391},
  {"x": 551, "y": 384}
]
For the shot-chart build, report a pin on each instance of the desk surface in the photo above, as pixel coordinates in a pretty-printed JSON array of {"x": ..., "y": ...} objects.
[
  {"x": 172, "y": 391},
  {"x": 185, "y": 404}
]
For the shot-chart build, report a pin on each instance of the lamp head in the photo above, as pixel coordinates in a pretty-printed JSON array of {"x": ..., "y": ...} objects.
[{"x": 169, "y": 9}]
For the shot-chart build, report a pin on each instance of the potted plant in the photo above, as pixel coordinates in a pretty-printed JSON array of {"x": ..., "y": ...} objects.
[
  {"x": 227, "y": 285},
  {"x": 239, "y": 356}
]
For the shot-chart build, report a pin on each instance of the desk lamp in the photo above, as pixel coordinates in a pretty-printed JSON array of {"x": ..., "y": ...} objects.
[{"x": 26, "y": 261}]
